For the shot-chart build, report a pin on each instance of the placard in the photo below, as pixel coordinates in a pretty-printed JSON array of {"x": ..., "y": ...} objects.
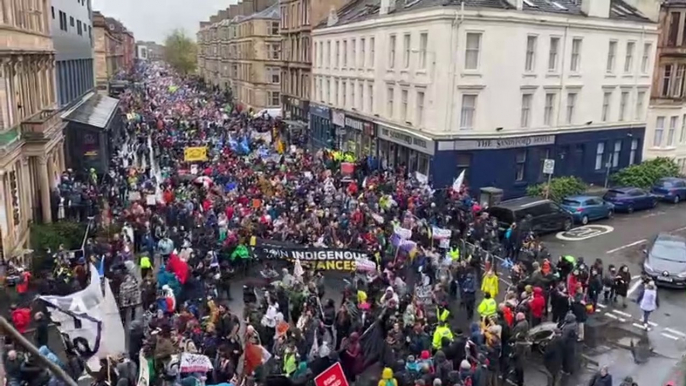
[
  {"x": 423, "y": 294},
  {"x": 333, "y": 376},
  {"x": 195, "y": 363},
  {"x": 195, "y": 154}
]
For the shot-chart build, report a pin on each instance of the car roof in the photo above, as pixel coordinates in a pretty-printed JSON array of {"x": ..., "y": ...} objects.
[
  {"x": 670, "y": 179},
  {"x": 624, "y": 189},
  {"x": 581, "y": 198},
  {"x": 519, "y": 203},
  {"x": 668, "y": 237}
]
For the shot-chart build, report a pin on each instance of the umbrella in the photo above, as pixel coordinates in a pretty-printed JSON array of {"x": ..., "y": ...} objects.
[{"x": 203, "y": 180}]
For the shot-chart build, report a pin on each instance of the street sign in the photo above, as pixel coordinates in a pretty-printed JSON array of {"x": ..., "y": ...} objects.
[
  {"x": 548, "y": 166},
  {"x": 333, "y": 376}
]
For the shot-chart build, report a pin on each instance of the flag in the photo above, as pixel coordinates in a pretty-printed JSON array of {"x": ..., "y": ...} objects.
[{"x": 458, "y": 182}]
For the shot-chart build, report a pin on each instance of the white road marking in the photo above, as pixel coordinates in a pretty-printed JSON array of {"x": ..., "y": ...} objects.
[
  {"x": 602, "y": 230},
  {"x": 652, "y": 214},
  {"x": 601, "y": 306},
  {"x": 678, "y": 230},
  {"x": 618, "y": 312},
  {"x": 627, "y": 246},
  {"x": 675, "y": 332},
  {"x": 669, "y": 336},
  {"x": 612, "y": 316},
  {"x": 641, "y": 326},
  {"x": 634, "y": 287},
  {"x": 636, "y": 277},
  {"x": 652, "y": 324},
  {"x": 622, "y": 320}
]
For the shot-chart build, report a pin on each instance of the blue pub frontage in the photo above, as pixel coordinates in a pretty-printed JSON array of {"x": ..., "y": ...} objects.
[{"x": 514, "y": 163}]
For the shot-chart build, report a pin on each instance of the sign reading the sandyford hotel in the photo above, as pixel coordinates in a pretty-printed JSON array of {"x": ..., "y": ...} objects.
[{"x": 505, "y": 143}]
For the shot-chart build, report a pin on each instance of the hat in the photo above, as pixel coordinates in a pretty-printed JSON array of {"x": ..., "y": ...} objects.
[
  {"x": 425, "y": 355},
  {"x": 465, "y": 365}
]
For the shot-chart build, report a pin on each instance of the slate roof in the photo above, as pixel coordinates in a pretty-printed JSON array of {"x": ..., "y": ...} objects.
[
  {"x": 272, "y": 12},
  {"x": 96, "y": 111},
  {"x": 359, "y": 10}
]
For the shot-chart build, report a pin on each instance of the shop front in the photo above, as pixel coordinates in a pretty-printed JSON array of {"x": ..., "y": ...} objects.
[
  {"x": 359, "y": 137},
  {"x": 296, "y": 110},
  {"x": 322, "y": 134},
  {"x": 403, "y": 147}
]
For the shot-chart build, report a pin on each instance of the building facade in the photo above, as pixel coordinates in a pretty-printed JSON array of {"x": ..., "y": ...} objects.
[
  {"x": 108, "y": 45},
  {"x": 666, "y": 124},
  {"x": 31, "y": 142},
  {"x": 492, "y": 88},
  {"x": 72, "y": 36},
  {"x": 149, "y": 51}
]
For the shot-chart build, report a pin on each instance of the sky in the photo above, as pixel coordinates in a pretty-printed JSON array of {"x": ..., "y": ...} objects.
[{"x": 154, "y": 19}]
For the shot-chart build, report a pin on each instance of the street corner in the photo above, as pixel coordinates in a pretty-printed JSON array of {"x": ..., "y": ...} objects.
[{"x": 584, "y": 232}]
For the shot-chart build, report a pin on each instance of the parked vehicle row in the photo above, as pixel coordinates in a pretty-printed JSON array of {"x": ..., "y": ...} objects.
[{"x": 547, "y": 216}]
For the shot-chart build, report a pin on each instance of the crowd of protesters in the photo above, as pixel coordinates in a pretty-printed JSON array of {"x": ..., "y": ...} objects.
[{"x": 183, "y": 231}]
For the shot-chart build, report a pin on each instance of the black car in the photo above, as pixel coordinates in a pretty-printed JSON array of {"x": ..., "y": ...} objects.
[
  {"x": 545, "y": 215},
  {"x": 665, "y": 261}
]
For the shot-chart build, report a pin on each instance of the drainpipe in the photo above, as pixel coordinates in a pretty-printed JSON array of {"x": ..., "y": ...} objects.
[
  {"x": 455, "y": 34},
  {"x": 563, "y": 71}
]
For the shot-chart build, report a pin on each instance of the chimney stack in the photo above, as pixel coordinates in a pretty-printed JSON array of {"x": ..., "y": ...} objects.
[
  {"x": 596, "y": 8},
  {"x": 384, "y": 7},
  {"x": 518, "y": 4}
]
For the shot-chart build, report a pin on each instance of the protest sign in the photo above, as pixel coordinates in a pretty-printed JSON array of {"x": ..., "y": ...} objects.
[
  {"x": 440, "y": 233},
  {"x": 194, "y": 154},
  {"x": 144, "y": 370},
  {"x": 195, "y": 363},
  {"x": 333, "y": 376},
  {"x": 403, "y": 233},
  {"x": 319, "y": 258},
  {"x": 423, "y": 294}
]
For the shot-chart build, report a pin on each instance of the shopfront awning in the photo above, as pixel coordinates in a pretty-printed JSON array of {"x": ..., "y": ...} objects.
[{"x": 97, "y": 111}]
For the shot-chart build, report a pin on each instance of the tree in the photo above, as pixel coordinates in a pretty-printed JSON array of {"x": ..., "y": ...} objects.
[
  {"x": 645, "y": 174},
  {"x": 560, "y": 187},
  {"x": 180, "y": 52}
]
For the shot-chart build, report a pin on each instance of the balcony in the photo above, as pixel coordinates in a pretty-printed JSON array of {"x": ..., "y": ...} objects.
[{"x": 42, "y": 126}]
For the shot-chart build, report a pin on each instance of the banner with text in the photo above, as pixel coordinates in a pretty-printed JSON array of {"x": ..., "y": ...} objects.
[{"x": 318, "y": 258}]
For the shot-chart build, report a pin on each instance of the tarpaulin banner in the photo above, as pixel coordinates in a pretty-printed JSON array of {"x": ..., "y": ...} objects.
[
  {"x": 194, "y": 154},
  {"x": 319, "y": 258}
]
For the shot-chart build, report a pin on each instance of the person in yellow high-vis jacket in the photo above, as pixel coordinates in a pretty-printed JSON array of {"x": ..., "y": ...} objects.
[
  {"x": 442, "y": 331},
  {"x": 488, "y": 306},
  {"x": 454, "y": 253},
  {"x": 489, "y": 284}
]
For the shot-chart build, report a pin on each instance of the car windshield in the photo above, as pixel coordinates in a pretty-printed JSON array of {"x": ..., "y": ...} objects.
[
  {"x": 665, "y": 184},
  {"x": 613, "y": 193},
  {"x": 669, "y": 250},
  {"x": 570, "y": 203}
]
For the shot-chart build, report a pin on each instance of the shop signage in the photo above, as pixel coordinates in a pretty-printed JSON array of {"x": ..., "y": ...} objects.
[
  {"x": 338, "y": 118},
  {"x": 366, "y": 127},
  {"x": 505, "y": 143},
  {"x": 420, "y": 144},
  {"x": 320, "y": 111}
]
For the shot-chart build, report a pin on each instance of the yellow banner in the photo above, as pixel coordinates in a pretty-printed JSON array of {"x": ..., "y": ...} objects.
[{"x": 193, "y": 154}]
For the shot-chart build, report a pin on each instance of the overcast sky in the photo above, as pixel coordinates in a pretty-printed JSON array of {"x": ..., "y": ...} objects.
[{"x": 153, "y": 19}]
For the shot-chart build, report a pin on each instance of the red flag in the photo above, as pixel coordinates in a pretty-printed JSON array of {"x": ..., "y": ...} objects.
[{"x": 179, "y": 267}]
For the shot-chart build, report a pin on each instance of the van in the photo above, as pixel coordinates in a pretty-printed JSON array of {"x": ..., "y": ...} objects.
[{"x": 546, "y": 216}]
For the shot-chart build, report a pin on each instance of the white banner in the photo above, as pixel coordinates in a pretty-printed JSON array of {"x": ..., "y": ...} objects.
[
  {"x": 403, "y": 233},
  {"x": 423, "y": 294},
  {"x": 195, "y": 363},
  {"x": 440, "y": 233},
  {"x": 86, "y": 320},
  {"x": 143, "y": 371}
]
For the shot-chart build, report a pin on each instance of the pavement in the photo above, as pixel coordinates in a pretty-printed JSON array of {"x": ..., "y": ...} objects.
[{"x": 618, "y": 241}]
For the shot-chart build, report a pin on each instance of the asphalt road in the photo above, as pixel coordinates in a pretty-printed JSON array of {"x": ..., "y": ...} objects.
[{"x": 619, "y": 241}]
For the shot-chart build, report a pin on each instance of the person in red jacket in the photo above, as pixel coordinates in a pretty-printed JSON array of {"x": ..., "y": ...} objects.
[
  {"x": 537, "y": 306},
  {"x": 21, "y": 318}
]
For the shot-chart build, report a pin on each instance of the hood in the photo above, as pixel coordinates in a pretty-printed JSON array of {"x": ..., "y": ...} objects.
[
  {"x": 538, "y": 291},
  {"x": 425, "y": 355},
  {"x": 387, "y": 373},
  {"x": 474, "y": 327},
  {"x": 570, "y": 318},
  {"x": 439, "y": 357}
]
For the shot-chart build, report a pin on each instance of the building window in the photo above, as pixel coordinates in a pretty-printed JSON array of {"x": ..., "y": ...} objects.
[
  {"x": 71, "y": 21},
  {"x": 645, "y": 60},
  {"x": 615, "y": 153},
  {"x": 420, "y": 109},
  {"x": 389, "y": 102},
  {"x": 623, "y": 101},
  {"x": 63, "y": 21},
  {"x": 52, "y": 12},
  {"x": 274, "y": 74},
  {"x": 275, "y": 51},
  {"x": 274, "y": 98},
  {"x": 607, "y": 100},
  {"x": 473, "y": 47},
  {"x": 659, "y": 130},
  {"x": 360, "y": 95},
  {"x": 327, "y": 59},
  {"x": 406, "y": 51},
  {"x": 467, "y": 112},
  {"x": 530, "y": 62},
  {"x": 674, "y": 19},
  {"x": 353, "y": 54},
  {"x": 352, "y": 94},
  {"x": 371, "y": 52},
  {"x": 553, "y": 54},
  {"x": 328, "y": 90},
  {"x": 403, "y": 105},
  {"x": 673, "y": 122},
  {"x": 344, "y": 92},
  {"x": 78, "y": 28},
  {"x": 632, "y": 153},
  {"x": 370, "y": 97},
  {"x": 337, "y": 54},
  {"x": 575, "y": 64},
  {"x": 423, "y": 43},
  {"x": 682, "y": 136},
  {"x": 571, "y": 104},
  {"x": 629, "y": 57},
  {"x": 640, "y": 98},
  {"x": 526, "y": 110},
  {"x": 345, "y": 54},
  {"x": 599, "y": 155},
  {"x": 611, "y": 56},
  {"x": 391, "y": 52},
  {"x": 549, "y": 109},
  {"x": 363, "y": 53},
  {"x": 275, "y": 28},
  {"x": 520, "y": 160}
]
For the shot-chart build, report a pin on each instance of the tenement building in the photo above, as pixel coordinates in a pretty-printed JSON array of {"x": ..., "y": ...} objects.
[
  {"x": 493, "y": 88},
  {"x": 109, "y": 49},
  {"x": 666, "y": 124},
  {"x": 31, "y": 142},
  {"x": 297, "y": 19}
]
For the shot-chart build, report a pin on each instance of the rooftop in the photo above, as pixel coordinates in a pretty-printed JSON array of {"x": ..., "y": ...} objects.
[{"x": 359, "y": 10}]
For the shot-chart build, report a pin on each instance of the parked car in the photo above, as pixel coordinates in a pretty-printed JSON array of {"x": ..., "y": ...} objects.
[
  {"x": 670, "y": 189},
  {"x": 545, "y": 215},
  {"x": 665, "y": 261},
  {"x": 629, "y": 199},
  {"x": 587, "y": 208}
]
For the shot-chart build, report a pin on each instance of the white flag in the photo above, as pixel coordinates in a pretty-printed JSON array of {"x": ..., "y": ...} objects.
[{"x": 458, "y": 182}]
